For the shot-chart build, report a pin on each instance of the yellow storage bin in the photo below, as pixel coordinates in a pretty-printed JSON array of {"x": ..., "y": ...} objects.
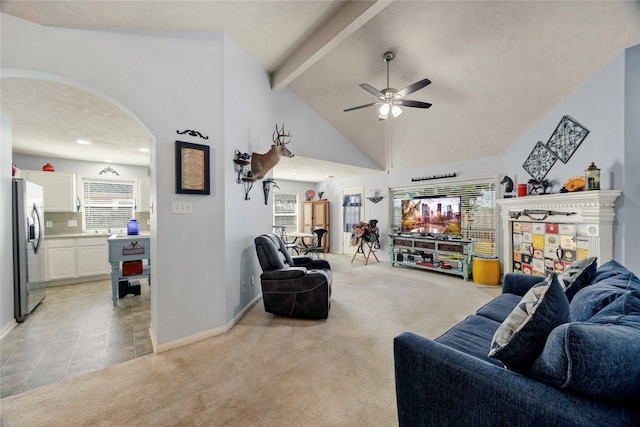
[{"x": 486, "y": 270}]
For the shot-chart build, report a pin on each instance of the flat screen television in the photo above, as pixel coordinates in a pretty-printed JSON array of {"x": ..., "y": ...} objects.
[{"x": 431, "y": 215}]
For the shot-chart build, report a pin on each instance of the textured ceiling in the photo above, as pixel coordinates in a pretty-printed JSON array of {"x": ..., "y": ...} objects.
[{"x": 496, "y": 69}]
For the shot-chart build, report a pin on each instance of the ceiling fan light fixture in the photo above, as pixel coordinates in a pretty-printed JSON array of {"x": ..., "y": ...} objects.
[
  {"x": 384, "y": 109},
  {"x": 396, "y": 111}
]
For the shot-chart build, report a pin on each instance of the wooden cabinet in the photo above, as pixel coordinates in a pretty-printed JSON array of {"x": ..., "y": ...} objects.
[
  {"x": 59, "y": 189},
  {"x": 71, "y": 258},
  {"x": 315, "y": 214},
  {"x": 452, "y": 256}
]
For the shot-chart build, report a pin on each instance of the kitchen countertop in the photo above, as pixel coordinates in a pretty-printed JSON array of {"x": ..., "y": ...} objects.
[{"x": 87, "y": 235}]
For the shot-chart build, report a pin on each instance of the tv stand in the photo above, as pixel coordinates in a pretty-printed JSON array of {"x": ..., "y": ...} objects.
[{"x": 442, "y": 254}]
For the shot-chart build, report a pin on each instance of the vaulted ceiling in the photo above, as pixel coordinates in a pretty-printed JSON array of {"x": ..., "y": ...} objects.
[{"x": 496, "y": 68}]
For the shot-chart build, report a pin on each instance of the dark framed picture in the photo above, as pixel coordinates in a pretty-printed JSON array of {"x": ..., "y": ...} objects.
[{"x": 192, "y": 168}]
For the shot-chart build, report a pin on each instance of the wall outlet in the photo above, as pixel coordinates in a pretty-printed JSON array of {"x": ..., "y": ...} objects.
[
  {"x": 49, "y": 224},
  {"x": 73, "y": 223},
  {"x": 253, "y": 281}
]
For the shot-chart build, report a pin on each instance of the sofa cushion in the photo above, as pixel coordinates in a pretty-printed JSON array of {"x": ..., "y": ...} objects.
[
  {"x": 577, "y": 276},
  {"x": 590, "y": 300},
  {"x": 522, "y": 336},
  {"x": 472, "y": 336},
  {"x": 598, "y": 358},
  {"x": 500, "y": 307}
]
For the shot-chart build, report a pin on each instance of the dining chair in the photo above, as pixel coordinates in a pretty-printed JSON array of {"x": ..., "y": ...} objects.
[
  {"x": 317, "y": 246},
  {"x": 281, "y": 231}
]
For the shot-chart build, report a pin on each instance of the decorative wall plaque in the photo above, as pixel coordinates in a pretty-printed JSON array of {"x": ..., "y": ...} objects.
[
  {"x": 539, "y": 162},
  {"x": 566, "y": 139}
]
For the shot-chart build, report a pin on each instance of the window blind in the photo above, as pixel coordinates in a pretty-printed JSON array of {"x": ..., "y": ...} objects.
[
  {"x": 478, "y": 208},
  {"x": 108, "y": 205}
]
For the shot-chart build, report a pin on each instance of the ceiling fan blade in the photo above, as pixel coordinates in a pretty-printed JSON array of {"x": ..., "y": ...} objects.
[
  {"x": 412, "y": 88},
  {"x": 361, "y": 106},
  {"x": 410, "y": 103},
  {"x": 372, "y": 90}
]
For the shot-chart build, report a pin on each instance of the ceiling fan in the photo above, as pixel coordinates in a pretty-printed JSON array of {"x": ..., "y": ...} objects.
[{"x": 391, "y": 99}]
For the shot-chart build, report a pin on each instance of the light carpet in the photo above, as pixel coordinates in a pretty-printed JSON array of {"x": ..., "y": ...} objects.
[{"x": 269, "y": 370}]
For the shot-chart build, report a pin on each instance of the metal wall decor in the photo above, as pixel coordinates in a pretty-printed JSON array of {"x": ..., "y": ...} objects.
[
  {"x": 539, "y": 162},
  {"x": 192, "y": 133},
  {"x": 566, "y": 139},
  {"x": 267, "y": 185},
  {"x": 426, "y": 178},
  {"x": 110, "y": 170}
]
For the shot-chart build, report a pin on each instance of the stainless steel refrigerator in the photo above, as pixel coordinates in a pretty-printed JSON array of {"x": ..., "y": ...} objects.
[{"x": 28, "y": 248}]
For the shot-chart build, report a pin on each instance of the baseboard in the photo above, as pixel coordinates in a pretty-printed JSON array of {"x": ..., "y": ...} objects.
[
  {"x": 159, "y": 348},
  {"x": 8, "y": 327}
]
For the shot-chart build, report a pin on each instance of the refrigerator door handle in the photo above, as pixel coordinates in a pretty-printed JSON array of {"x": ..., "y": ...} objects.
[{"x": 38, "y": 223}]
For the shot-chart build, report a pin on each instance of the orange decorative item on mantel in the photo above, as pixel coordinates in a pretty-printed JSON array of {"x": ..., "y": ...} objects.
[
  {"x": 575, "y": 184},
  {"x": 48, "y": 168}
]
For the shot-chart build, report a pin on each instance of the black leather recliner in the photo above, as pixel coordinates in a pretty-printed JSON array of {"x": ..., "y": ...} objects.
[{"x": 297, "y": 286}]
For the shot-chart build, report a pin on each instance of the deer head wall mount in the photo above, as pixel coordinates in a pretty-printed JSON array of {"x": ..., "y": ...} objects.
[
  {"x": 261, "y": 164},
  {"x": 253, "y": 167}
]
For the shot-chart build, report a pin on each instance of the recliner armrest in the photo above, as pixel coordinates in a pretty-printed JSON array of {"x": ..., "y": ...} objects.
[
  {"x": 285, "y": 273},
  {"x": 301, "y": 260}
]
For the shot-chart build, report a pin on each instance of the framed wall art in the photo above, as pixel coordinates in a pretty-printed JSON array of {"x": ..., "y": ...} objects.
[{"x": 192, "y": 168}]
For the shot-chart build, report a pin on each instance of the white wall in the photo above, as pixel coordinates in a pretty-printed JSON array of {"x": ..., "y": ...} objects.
[
  {"x": 6, "y": 233},
  {"x": 628, "y": 230},
  {"x": 313, "y": 136},
  {"x": 168, "y": 81},
  {"x": 248, "y": 125}
]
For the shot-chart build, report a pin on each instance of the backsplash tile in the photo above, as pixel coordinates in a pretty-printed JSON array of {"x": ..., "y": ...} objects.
[{"x": 60, "y": 223}]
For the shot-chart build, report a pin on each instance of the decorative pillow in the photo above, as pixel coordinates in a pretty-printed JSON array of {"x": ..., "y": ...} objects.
[
  {"x": 522, "y": 336},
  {"x": 598, "y": 358},
  {"x": 577, "y": 276}
]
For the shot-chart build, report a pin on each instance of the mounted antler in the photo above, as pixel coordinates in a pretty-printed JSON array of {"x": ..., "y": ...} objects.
[
  {"x": 261, "y": 164},
  {"x": 279, "y": 136}
]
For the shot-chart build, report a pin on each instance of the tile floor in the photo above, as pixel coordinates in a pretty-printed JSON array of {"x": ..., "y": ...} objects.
[{"x": 74, "y": 331}]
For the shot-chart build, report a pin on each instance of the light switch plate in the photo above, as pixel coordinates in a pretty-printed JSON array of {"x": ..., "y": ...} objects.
[
  {"x": 49, "y": 224},
  {"x": 73, "y": 223},
  {"x": 182, "y": 207}
]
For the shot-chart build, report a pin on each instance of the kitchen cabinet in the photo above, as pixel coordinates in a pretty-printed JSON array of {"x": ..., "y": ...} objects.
[
  {"x": 144, "y": 195},
  {"x": 59, "y": 189},
  {"x": 60, "y": 259},
  {"x": 92, "y": 256},
  {"x": 315, "y": 214},
  {"x": 72, "y": 258}
]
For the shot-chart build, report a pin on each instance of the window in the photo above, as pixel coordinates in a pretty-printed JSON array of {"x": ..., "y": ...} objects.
[
  {"x": 285, "y": 210},
  {"x": 479, "y": 213},
  {"x": 108, "y": 204}
]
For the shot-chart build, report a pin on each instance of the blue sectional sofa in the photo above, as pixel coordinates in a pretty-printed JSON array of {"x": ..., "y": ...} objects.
[{"x": 563, "y": 351}]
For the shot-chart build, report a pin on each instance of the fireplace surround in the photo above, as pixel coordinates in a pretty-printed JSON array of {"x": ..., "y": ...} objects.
[{"x": 547, "y": 232}]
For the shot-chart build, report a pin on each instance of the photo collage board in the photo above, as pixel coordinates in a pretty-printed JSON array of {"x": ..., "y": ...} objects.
[{"x": 540, "y": 248}]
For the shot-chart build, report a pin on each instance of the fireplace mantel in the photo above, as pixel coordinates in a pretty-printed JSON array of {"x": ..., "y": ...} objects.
[{"x": 594, "y": 208}]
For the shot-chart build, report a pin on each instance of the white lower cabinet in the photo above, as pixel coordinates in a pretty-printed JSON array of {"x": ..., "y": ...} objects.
[
  {"x": 73, "y": 258},
  {"x": 92, "y": 257},
  {"x": 60, "y": 259}
]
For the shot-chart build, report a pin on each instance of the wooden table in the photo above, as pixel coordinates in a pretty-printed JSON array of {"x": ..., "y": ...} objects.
[{"x": 300, "y": 236}]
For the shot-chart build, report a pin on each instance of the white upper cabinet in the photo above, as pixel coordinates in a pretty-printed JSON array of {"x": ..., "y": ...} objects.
[
  {"x": 59, "y": 189},
  {"x": 144, "y": 195}
]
